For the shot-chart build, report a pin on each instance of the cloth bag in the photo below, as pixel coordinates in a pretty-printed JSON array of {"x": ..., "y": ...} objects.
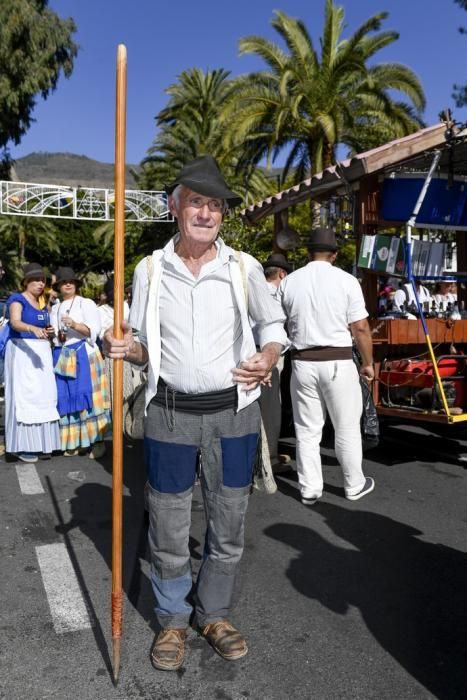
[
  {"x": 133, "y": 413},
  {"x": 263, "y": 477}
]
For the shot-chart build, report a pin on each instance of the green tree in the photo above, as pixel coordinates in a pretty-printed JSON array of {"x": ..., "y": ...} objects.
[
  {"x": 35, "y": 47},
  {"x": 30, "y": 236},
  {"x": 305, "y": 104},
  {"x": 190, "y": 126}
]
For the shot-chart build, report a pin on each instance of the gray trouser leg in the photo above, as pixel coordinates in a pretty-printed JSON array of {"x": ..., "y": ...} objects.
[
  {"x": 226, "y": 513},
  {"x": 171, "y": 578}
]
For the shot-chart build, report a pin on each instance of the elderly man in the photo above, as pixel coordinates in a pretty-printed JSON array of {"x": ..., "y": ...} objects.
[
  {"x": 191, "y": 307},
  {"x": 325, "y": 309}
]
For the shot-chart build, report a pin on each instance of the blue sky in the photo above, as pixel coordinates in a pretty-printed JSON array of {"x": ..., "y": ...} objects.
[{"x": 164, "y": 38}]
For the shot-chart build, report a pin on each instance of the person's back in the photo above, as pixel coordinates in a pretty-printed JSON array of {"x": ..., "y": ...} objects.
[
  {"x": 320, "y": 305},
  {"x": 325, "y": 309}
]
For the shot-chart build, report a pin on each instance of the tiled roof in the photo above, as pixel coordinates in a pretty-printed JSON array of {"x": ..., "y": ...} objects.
[{"x": 349, "y": 171}]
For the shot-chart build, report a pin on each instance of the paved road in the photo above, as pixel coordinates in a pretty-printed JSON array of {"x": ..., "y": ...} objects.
[{"x": 364, "y": 599}]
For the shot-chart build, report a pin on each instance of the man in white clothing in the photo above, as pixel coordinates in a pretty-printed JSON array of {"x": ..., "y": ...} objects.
[
  {"x": 191, "y": 308},
  {"x": 325, "y": 309},
  {"x": 406, "y": 295}
]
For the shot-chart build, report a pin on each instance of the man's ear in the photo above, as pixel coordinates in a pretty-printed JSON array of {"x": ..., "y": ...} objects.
[{"x": 172, "y": 206}]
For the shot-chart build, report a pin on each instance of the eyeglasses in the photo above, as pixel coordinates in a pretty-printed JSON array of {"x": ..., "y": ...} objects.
[{"x": 214, "y": 205}]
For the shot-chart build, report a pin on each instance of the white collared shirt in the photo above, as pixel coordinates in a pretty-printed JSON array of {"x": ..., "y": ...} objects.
[
  {"x": 201, "y": 330},
  {"x": 321, "y": 301}
]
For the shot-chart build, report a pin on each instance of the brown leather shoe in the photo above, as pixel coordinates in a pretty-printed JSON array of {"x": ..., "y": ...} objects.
[
  {"x": 168, "y": 649},
  {"x": 225, "y": 639}
]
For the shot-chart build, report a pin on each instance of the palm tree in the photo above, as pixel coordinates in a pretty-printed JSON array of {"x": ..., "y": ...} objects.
[
  {"x": 190, "y": 126},
  {"x": 21, "y": 232},
  {"x": 306, "y": 104}
]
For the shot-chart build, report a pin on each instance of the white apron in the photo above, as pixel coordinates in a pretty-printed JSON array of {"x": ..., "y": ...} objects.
[{"x": 31, "y": 380}]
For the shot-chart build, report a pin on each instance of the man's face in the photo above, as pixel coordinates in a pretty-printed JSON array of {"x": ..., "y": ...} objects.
[{"x": 199, "y": 217}]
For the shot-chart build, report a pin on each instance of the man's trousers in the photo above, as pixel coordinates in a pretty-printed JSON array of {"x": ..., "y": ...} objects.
[
  {"x": 315, "y": 387},
  {"x": 224, "y": 445}
]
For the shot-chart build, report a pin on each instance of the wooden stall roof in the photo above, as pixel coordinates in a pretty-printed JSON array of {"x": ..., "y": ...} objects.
[{"x": 412, "y": 149}]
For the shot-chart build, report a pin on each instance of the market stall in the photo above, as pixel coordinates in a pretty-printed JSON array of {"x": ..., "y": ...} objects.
[{"x": 409, "y": 219}]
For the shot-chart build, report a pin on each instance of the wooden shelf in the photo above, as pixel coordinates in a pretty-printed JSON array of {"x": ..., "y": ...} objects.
[{"x": 410, "y": 332}]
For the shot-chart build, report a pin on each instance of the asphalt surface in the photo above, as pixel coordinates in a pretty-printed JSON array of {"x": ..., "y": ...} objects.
[{"x": 364, "y": 599}]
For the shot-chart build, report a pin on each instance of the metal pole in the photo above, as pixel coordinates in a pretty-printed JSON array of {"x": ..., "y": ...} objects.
[{"x": 409, "y": 226}]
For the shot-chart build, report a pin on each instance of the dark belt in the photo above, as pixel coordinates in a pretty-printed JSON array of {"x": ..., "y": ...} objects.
[
  {"x": 320, "y": 353},
  {"x": 197, "y": 404}
]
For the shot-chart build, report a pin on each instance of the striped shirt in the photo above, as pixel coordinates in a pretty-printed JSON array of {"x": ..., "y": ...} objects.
[{"x": 200, "y": 324}]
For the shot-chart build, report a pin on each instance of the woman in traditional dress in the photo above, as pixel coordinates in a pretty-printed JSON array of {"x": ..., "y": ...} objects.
[
  {"x": 83, "y": 391},
  {"x": 31, "y": 416}
]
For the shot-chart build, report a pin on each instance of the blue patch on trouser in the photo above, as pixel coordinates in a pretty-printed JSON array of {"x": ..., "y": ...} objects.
[
  {"x": 171, "y": 468},
  {"x": 171, "y": 595},
  {"x": 238, "y": 459}
]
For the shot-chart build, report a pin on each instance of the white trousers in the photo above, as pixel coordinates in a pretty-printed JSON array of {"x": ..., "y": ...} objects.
[{"x": 333, "y": 386}]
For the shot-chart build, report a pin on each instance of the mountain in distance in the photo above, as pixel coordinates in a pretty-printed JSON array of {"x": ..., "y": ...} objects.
[
  {"x": 68, "y": 169},
  {"x": 79, "y": 171}
]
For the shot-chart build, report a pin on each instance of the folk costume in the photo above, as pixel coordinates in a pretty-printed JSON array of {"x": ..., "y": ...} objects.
[
  {"x": 196, "y": 329},
  {"x": 320, "y": 302},
  {"x": 31, "y": 417},
  {"x": 82, "y": 386}
]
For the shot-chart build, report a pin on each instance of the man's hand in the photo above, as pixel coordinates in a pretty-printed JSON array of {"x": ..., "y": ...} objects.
[
  {"x": 121, "y": 348},
  {"x": 367, "y": 372},
  {"x": 257, "y": 369}
]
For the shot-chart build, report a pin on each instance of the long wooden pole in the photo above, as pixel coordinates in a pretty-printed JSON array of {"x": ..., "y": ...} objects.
[{"x": 117, "y": 403}]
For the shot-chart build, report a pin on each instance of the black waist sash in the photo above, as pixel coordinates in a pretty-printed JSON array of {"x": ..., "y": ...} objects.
[{"x": 197, "y": 404}]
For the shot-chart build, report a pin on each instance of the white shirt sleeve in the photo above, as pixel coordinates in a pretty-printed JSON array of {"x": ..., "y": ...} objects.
[
  {"x": 265, "y": 310},
  {"x": 139, "y": 296},
  {"x": 399, "y": 298},
  {"x": 356, "y": 310},
  {"x": 91, "y": 318}
]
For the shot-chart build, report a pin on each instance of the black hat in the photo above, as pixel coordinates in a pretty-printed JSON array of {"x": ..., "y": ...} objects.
[
  {"x": 322, "y": 239},
  {"x": 278, "y": 260},
  {"x": 32, "y": 270},
  {"x": 202, "y": 175},
  {"x": 65, "y": 274}
]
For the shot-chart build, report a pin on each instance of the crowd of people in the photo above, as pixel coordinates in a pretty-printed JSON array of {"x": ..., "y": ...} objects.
[
  {"x": 438, "y": 299},
  {"x": 211, "y": 325},
  {"x": 57, "y": 395}
]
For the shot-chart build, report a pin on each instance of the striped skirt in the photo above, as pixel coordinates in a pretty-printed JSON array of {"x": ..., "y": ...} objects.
[{"x": 84, "y": 428}]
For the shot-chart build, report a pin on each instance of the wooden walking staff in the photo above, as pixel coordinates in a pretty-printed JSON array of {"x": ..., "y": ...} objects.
[{"x": 117, "y": 405}]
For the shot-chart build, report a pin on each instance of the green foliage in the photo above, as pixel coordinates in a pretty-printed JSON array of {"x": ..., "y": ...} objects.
[
  {"x": 23, "y": 239},
  {"x": 305, "y": 104},
  {"x": 255, "y": 240},
  {"x": 35, "y": 47},
  {"x": 190, "y": 126}
]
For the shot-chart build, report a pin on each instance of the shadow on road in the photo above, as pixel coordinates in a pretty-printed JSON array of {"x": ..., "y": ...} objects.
[
  {"x": 91, "y": 512},
  {"x": 412, "y": 594}
]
